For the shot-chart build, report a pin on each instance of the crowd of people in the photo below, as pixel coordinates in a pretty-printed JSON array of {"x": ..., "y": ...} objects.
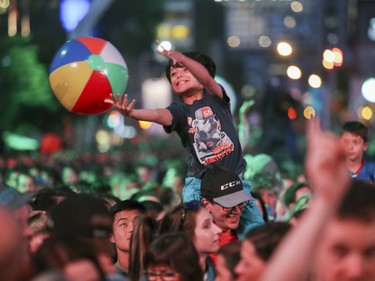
[{"x": 234, "y": 217}]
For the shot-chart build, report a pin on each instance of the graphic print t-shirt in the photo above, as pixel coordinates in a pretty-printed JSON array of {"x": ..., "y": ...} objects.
[{"x": 207, "y": 131}]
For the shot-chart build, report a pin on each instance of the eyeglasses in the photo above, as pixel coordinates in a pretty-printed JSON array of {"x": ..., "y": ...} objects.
[
  {"x": 228, "y": 210},
  {"x": 164, "y": 275}
]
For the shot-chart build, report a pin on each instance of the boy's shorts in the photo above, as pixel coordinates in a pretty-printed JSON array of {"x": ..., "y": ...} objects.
[{"x": 250, "y": 217}]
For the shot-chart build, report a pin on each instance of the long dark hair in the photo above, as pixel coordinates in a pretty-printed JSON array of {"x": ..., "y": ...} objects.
[{"x": 177, "y": 251}]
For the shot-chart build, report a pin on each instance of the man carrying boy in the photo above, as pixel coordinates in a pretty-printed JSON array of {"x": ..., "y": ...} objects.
[
  {"x": 354, "y": 136},
  {"x": 203, "y": 122}
]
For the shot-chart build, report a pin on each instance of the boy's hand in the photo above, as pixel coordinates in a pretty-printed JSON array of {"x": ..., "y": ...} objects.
[
  {"x": 123, "y": 106},
  {"x": 325, "y": 163}
]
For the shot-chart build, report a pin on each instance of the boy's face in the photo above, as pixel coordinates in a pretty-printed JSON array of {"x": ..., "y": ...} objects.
[
  {"x": 354, "y": 146},
  {"x": 183, "y": 81}
]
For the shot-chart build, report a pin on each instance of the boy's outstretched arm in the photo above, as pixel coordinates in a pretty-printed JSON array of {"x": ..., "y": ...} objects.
[
  {"x": 198, "y": 70},
  {"x": 161, "y": 116}
]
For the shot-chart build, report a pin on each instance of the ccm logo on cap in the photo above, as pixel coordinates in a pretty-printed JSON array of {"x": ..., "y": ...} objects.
[{"x": 230, "y": 184}]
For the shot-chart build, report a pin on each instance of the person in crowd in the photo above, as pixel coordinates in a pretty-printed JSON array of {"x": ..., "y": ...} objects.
[
  {"x": 225, "y": 199},
  {"x": 195, "y": 220},
  {"x": 203, "y": 122},
  {"x": 296, "y": 197},
  {"x": 86, "y": 218},
  {"x": 124, "y": 214},
  {"x": 228, "y": 257},
  {"x": 257, "y": 249},
  {"x": 354, "y": 136},
  {"x": 173, "y": 257},
  {"x": 76, "y": 260},
  {"x": 268, "y": 186}
]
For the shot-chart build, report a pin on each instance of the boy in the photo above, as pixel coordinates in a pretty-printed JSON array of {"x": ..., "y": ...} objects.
[
  {"x": 354, "y": 136},
  {"x": 203, "y": 121}
]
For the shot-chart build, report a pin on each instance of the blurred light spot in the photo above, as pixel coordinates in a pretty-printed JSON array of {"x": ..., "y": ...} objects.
[
  {"x": 264, "y": 41},
  {"x": 114, "y": 119},
  {"x": 296, "y": 6},
  {"x": 72, "y": 12},
  {"x": 233, "y": 41},
  {"x": 338, "y": 57},
  {"x": 294, "y": 72},
  {"x": 6, "y": 61},
  {"x": 180, "y": 32},
  {"x": 292, "y": 113},
  {"x": 289, "y": 22},
  {"x": 309, "y": 112},
  {"x": 284, "y": 49},
  {"x": 315, "y": 81},
  {"x": 367, "y": 89},
  {"x": 144, "y": 124},
  {"x": 165, "y": 45},
  {"x": 366, "y": 113}
]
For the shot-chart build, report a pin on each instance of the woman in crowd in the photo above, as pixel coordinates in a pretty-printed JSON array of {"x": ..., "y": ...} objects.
[{"x": 195, "y": 220}]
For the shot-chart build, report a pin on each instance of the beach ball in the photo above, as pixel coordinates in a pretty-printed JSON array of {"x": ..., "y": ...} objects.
[{"x": 84, "y": 72}]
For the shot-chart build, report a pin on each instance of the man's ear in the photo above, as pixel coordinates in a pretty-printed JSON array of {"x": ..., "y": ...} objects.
[
  {"x": 205, "y": 202},
  {"x": 111, "y": 239},
  {"x": 365, "y": 146}
]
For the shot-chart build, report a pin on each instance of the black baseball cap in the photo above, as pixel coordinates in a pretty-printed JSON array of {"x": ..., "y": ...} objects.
[{"x": 224, "y": 187}]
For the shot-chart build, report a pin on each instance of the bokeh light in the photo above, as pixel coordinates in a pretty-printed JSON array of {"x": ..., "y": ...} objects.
[
  {"x": 294, "y": 72},
  {"x": 309, "y": 112},
  {"x": 367, "y": 89},
  {"x": 284, "y": 49},
  {"x": 315, "y": 81}
]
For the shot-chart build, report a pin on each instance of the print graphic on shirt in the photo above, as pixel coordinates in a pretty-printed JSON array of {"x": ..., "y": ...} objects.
[{"x": 210, "y": 143}]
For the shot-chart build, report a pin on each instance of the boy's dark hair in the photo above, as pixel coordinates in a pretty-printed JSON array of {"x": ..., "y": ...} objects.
[
  {"x": 127, "y": 205},
  {"x": 356, "y": 128},
  {"x": 203, "y": 59}
]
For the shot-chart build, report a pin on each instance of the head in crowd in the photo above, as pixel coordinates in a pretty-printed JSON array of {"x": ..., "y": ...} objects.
[
  {"x": 258, "y": 248},
  {"x": 197, "y": 223},
  {"x": 293, "y": 193},
  {"x": 356, "y": 128},
  {"x": 347, "y": 248},
  {"x": 222, "y": 194},
  {"x": 47, "y": 198},
  {"x": 227, "y": 260},
  {"x": 354, "y": 136},
  {"x": 82, "y": 216},
  {"x": 75, "y": 259},
  {"x": 86, "y": 218},
  {"x": 268, "y": 186},
  {"x": 172, "y": 256},
  {"x": 124, "y": 214},
  {"x": 144, "y": 232}
]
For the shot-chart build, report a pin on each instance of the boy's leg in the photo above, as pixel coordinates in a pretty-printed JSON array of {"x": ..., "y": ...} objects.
[
  {"x": 251, "y": 216},
  {"x": 192, "y": 189}
]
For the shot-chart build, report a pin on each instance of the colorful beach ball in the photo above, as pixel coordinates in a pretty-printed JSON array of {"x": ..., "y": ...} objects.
[{"x": 84, "y": 72}]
